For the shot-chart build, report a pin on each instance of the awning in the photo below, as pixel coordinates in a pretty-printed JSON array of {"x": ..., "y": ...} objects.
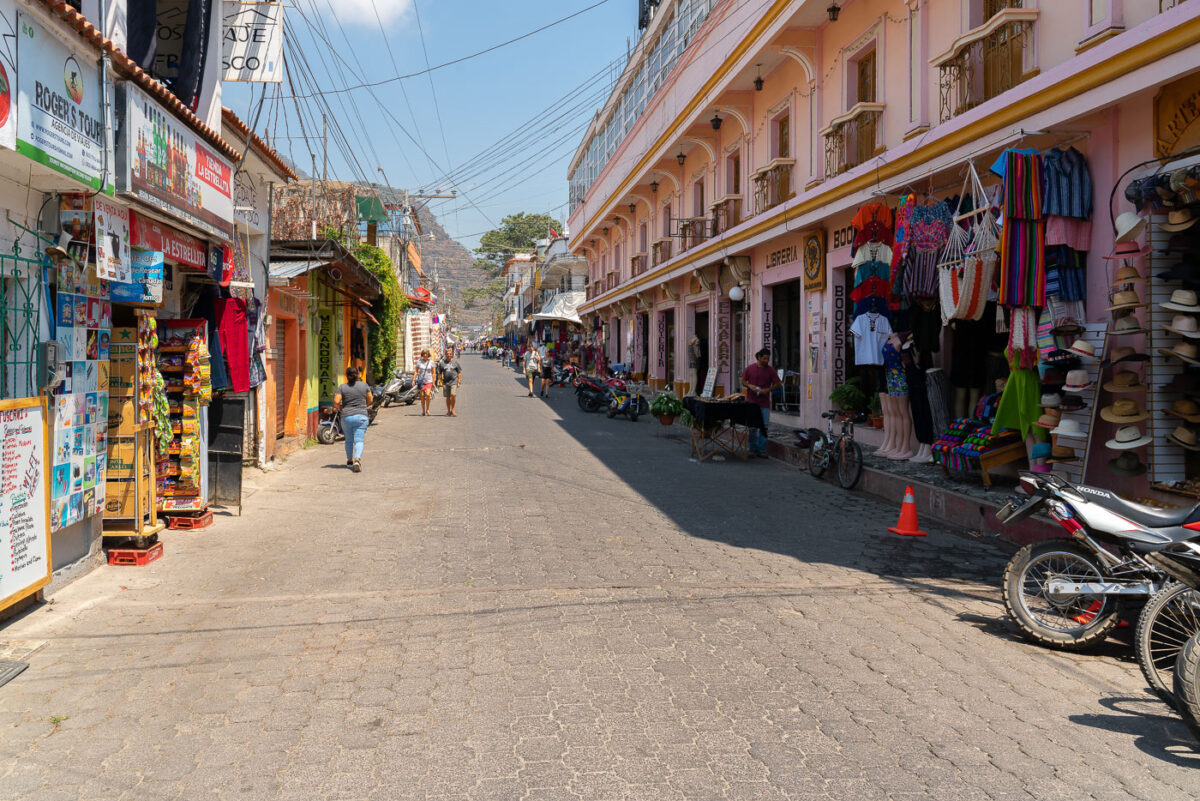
[
  {"x": 562, "y": 306},
  {"x": 287, "y": 270}
]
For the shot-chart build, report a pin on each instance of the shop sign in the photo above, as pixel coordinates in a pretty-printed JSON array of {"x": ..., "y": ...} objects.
[
  {"x": 24, "y": 500},
  {"x": 148, "y": 234},
  {"x": 843, "y": 237},
  {"x": 662, "y": 344},
  {"x": 724, "y": 340},
  {"x": 164, "y": 164},
  {"x": 814, "y": 261},
  {"x": 112, "y": 239},
  {"x": 784, "y": 255},
  {"x": 325, "y": 356},
  {"x": 1176, "y": 110},
  {"x": 839, "y": 333},
  {"x": 252, "y": 42},
  {"x": 59, "y": 121},
  {"x": 146, "y": 279},
  {"x": 250, "y": 201},
  {"x": 8, "y": 73},
  {"x": 768, "y": 323}
]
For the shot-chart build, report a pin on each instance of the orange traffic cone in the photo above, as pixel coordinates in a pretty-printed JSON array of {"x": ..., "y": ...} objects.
[{"x": 907, "y": 525}]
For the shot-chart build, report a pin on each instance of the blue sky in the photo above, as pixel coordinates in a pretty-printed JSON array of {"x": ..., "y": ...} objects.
[{"x": 480, "y": 100}]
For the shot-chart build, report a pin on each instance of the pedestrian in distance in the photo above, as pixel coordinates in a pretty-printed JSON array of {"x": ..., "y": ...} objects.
[
  {"x": 352, "y": 400},
  {"x": 547, "y": 372},
  {"x": 450, "y": 379},
  {"x": 424, "y": 380},
  {"x": 533, "y": 366},
  {"x": 759, "y": 380}
]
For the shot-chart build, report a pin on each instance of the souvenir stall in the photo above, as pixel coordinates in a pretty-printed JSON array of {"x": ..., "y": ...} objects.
[{"x": 183, "y": 361}]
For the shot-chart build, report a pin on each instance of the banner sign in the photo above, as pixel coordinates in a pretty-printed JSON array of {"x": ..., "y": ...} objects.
[
  {"x": 112, "y": 239},
  {"x": 163, "y": 163},
  {"x": 150, "y": 234},
  {"x": 59, "y": 120},
  {"x": 24, "y": 500},
  {"x": 327, "y": 386},
  {"x": 146, "y": 279},
  {"x": 252, "y": 42},
  {"x": 8, "y": 74}
]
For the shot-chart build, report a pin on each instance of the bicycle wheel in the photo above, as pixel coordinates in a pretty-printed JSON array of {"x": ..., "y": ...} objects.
[
  {"x": 1168, "y": 620},
  {"x": 850, "y": 463},
  {"x": 818, "y": 454}
]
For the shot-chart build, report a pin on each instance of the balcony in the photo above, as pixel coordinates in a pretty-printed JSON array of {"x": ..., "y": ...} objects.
[
  {"x": 985, "y": 62},
  {"x": 852, "y": 138},
  {"x": 594, "y": 289},
  {"x": 638, "y": 264},
  {"x": 726, "y": 213},
  {"x": 660, "y": 251},
  {"x": 772, "y": 184},
  {"x": 692, "y": 231},
  {"x": 611, "y": 279}
]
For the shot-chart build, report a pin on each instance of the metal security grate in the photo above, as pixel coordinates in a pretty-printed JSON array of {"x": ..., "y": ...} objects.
[{"x": 21, "y": 301}]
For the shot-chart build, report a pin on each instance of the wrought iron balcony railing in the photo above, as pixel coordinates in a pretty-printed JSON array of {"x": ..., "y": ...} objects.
[
  {"x": 693, "y": 231},
  {"x": 853, "y": 138},
  {"x": 660, "y": 251},
  {"x": 772, "y": 184},
  {"x": 611, "y": 280},
  {"x": 986, "y": 62},
  {"x": 594, "y": 289},
  {"x": 637, "y": 265},
  {"x": 726, "y": 213}
]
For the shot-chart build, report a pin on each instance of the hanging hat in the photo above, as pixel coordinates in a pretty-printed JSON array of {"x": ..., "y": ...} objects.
[
  {"x": 1184, "y": 437},
  {"x": 1066, "y": 325},
  {"x": 1182, "y": 188},
  {"x": 1054, "y": 377},
  {"x": 1183, "y": 300},
  {"x": 1184, "y": 383},
  {"x": 1050, "y": 399},
  {"x": 1068, "y": 428},
  {"x": 1127, "y": 250},
  {"x": 1151, "y": 197},
  {"x": 1126, "y": 274},
  {"x": 1060, "y": 358},
  {"x": 1187, "y": 240},
  {"x": 1049, "y": 419},
  {"x": 1127, "y": 464},
  {"x": 1040, "y": 450},
  {"x": 1124, "y": 354},
  {"x": 1186, "y": 408},
  {"x": 1123, "y": 411},
  {"x": 1133, "y": 193},
  {"x": 1061, "y": 453},
  {"x": 1187, "y": 271},
  {"x": 1128, "y": 437},
  {"x": 1077, "y": 381},
  {"x": 1126, "y": 325},
  {"x": 1129, "y": 226},
  {"x": 1185, "y": 351},
  {"x": 1179, "y": 220},
  {"x": 1184, "y": 325},
  {"x": 1071, "y": 403},
  {"x": 1124, "y": 381},
  {"x": 1082, "y": 347},
  {"x": 1126, "y": 299}
]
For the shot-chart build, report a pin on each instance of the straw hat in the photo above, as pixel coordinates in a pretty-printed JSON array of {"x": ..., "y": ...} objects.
[
  {"x": 1066, "y": 325},
  {"x": 1071, "y": 403},
  {"x": 1123, "y": 411},
  {"x": 1070, "y": 429},
  {"x": 1126, "y": 274},
  {"x": 1050, "y": 399},
  {"x": 1127, "y": 250},
  {"x": 1049, "y": 419},
  {"x": 1126, "y": 325},
  {"x": 1126, "y": 299},
  {"x": 1061, "y": 453},
  {"x": 1129, "y": 226},
  {"x": 1183, "y": 300},
  {"x": 1184, "y": 325},
  {"x": 1124, "y": 354},
  {"x": 1124, "y": 381},
  {"x": 1184, "y": 437},
  {"x": 1179, "y": 220},
  {"x": 1186, "y": 351},
  {"x": 1082, "y": 347},
  {"x": 1186, "y": 408},
  {"x": 1127, "y": 464},
  {"x": 1077, "y": 381},
  {"x": 1128, "y": 437}
]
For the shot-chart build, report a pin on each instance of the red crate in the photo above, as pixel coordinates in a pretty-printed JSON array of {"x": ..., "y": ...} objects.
[
  {"x": 188, "y": 522},
  {"x": 133, "y": 556}
]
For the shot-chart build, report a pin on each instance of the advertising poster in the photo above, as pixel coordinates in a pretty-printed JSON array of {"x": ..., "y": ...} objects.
[
  {"x": 59, "y": 121},
  {"x": 150, "y": 234},
  {"x": 75, "y": 218},
  {"x": 8, "y": 74},
  {"x": 145, "y": 280},
  {"x": 83, "y": 314},
  {"x": 252, "y": 42},
  {"x": 112, "y": 240},
  {"x": 166, "y": 165},
  {"x": 24, "y": 530}
]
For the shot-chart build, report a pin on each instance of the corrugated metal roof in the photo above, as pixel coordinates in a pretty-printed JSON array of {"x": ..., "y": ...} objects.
[{"x": 291, "y": 269}]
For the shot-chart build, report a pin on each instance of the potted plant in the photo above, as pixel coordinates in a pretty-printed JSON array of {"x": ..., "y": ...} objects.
[
  {"x": 849, "y": 398},
  {"x": 666, "y": 407},
  {"x": 876, "y": 412}
]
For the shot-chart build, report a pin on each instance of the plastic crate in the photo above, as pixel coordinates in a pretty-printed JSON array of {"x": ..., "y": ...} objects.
[
  {"x": 189, "y": 522},
  {"x": 133, "y": 556}
]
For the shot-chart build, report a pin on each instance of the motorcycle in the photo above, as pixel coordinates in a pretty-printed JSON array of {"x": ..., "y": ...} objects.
[
  {"x": 1070, "y": 593},
  {"x": 624, "y": 401},
  {"x": 1181, "y": 561},
  {"x": 592, "y": 392},
  {"x": 329, "y": 428},
  {"x": 376, "y": 402},
  {"x": 561, "y": 376},
  {"x": 400, "y": 388}
]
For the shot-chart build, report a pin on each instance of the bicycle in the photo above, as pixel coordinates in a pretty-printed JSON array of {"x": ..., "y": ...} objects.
[{"x": 842, "y": 448}]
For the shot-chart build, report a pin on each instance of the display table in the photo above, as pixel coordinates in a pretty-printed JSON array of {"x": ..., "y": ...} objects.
[{"x": 720, "y": 426}]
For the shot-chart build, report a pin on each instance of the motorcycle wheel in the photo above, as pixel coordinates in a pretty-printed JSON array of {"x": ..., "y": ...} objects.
[
  {"x": 387, "y": 403},
  {"x": 850, "y": 464},
  {"x": 371, "y": 414},
  {"x": 611, "y": 411},
  {"x": 633, "y": 415},
  {"x": 326, "y": 435},
  {"x": 583, "y": 402},
  {"x": 1071, "y": 624},
  {"x": 1168, "y": 620},
  {"x": 410, "y": 401},
  {"x": 1186, "y": 683},
  {"x": 818, "y": 455}
]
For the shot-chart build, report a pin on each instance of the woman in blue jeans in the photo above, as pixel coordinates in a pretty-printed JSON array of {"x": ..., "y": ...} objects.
[{"x": 352, "y": 400}]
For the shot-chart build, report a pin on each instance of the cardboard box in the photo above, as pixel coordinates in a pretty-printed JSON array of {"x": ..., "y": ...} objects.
[
  {"x": 121, "y": 499},
  {"x": 122, "y": 457},
  {"x": 122, "y": 416}
]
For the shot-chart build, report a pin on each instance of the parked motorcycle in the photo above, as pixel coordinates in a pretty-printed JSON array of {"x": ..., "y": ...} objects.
[
  {"x": 376, "y": 402},
  {"x": 624, "y": 401},
  {"x": 1070, "y": 593},
  {"x": 1181, "y": 561},
  {"x": 400, "y": 388},
  {"x": 563, "y": 375},
  {"x": 329, "y": 428},
  {"x": 592, "y": 392}
]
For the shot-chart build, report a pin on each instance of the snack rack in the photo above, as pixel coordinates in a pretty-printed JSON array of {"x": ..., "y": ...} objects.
[{"x": 183, "y": 359}]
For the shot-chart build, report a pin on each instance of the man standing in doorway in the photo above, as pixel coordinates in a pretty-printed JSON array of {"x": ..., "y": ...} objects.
[
  {"x": 759, "y": 380},
  {"x": 450, "y": 379}
]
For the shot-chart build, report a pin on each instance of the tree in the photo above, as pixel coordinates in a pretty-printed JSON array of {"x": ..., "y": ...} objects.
[{"x": 516, "y": 234}]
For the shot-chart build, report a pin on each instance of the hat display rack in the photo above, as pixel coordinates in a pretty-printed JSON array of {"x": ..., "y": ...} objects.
[{"x": 1075, "y": 425}]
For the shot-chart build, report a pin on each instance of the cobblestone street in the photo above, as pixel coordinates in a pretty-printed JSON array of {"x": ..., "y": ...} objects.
[{"x": 532, "y": 602}]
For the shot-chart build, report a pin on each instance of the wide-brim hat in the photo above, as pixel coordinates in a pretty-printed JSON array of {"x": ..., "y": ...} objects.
[
  {"x": 1127, "y": 464},
  {"x": 1127, "y": 325},
  {"x": 1123, "y": 354},
  {"x": 1129, "y": 226},
  {"x": 1126, "y": 275},
  {"x": 1050, "y": 399},
  {"x": 1183, "y": 383},
  {"x": 1061, "y": 453},
  {"x": 1128, "y": 437},
  {"x": 1185, "y": 326},
  {"x": 1124, "y": 381},
  {"x": 1067, "y": 325},
  {"x": 1071, "y": 403},
  {"x": 1061, "y": 359},
  {"x": 1186, "y": 240},
  {"x": 1081, "y": 347},
  {"x": 1186, "y": 271},
  {"x": 1126, "y": 299},
  {"x": 1069, "y": 429},
  {"x": 1077, "y": 381},
  {"x": 1184, "y": 300},
  {"x": 1050, "y": 419},
  {"x": 1127, "y": 250},
  {"x": 1179, "y": 220},
  {"x": 1184, "y": 351},
  {"x": 1185, "y": 409},
  {"x": 1123, "y": 411},
  {"x": 1184, "y": 437}
]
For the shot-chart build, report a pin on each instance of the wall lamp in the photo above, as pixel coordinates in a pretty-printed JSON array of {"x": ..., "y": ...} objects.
[
  {"x": 654, "y": 187},
  {"x": 833, "y": 11},
  {"x": 716, "y": 121},
  {"x": 758, "y": 81},
  {"x": 681, "y": 158}
]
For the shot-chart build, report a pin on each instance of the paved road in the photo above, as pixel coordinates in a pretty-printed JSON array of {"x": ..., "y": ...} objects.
[{"x": 528, "y": 602}]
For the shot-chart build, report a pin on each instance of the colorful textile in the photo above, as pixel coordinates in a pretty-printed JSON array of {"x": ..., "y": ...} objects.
[
  {"x": 872, "y": 223},
  {"x": 235, "y": 345},
  {"x": 893, "y": 368},
  {"x": 1066, "y": 273},
  {"x": 1022, "y": 349},
  {"x": 1019, "y": 404},
  {"x": 871, "y": 269},
  {"x": 872, "y": 251},
  {"x": 1022, "y": 186},
  {"x": 928, "y": 230},
  {"x": 873, "y": 287},
  {"x": 900, "y": 246},
  {"x": 965, "y": 440},
  {"x": 1045, "y": 334},
  {"x": 1023, "y": 262},
  {"x": 1075, "y": 234},
  {"x": 1068, "y": 184}
]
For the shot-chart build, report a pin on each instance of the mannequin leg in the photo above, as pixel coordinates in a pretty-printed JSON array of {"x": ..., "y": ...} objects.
[
  {"x": 889, "y": 426},
  {"x": 924, "y": 454},
  {"x": 905, "y": 438},
  {"x": 960, "y": 402}
]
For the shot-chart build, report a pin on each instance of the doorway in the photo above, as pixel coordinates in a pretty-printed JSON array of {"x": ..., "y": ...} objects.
[
  {"x": 702, "y": 332},
  {"x": 669, "y": 325},
  {"x": 643, "y": 366}
]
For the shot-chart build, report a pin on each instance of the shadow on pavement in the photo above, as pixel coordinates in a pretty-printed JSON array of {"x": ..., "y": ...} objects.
[{"x": 1159, "y": 732}]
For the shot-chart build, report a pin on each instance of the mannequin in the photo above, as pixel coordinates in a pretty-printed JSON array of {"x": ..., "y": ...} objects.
[
  {"x": 918, "y": 396},
  {"x": 897, "y": 413}
]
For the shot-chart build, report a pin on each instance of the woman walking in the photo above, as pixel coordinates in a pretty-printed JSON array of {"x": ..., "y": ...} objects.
[
  {"x": 352, "y": 400},
  {"x": 424, "y": 380},
  {"x": 533, "y": 366}
]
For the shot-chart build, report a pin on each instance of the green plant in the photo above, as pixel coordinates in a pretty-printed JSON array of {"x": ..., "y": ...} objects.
[
  {"x": 667, "y": 403},
  {"x": 388, "y": 308},
  {"x": 876, "y": 405},
  {"x": 686, "y": 418},
  {"x": 849, "y": 396}
]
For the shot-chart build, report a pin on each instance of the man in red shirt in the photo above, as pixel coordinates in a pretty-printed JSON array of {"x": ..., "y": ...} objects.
[{"x": 759, "y": 380}]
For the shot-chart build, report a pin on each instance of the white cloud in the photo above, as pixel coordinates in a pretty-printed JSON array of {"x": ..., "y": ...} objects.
[{"x": 362, "y": 13}]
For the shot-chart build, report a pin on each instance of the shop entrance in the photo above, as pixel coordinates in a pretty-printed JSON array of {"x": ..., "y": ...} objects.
[
  {"x": 702, "y": 331},
  {"x": 737, "y": 358},
  {"x": 669, "y": 325},
  {"x": 786, "y": 338},
  {"x": 282, "y": 380},
  {"x": 643, "y": 365}
]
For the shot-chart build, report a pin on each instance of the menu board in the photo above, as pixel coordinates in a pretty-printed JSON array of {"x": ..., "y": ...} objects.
[{"x": 24, "y": 500}]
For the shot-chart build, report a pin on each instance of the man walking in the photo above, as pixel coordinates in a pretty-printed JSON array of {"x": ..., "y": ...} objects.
[
  {"x": 759, "y": 380},
  {"x": 533, "y": 365},
  {"x": 450, "y": 379}
]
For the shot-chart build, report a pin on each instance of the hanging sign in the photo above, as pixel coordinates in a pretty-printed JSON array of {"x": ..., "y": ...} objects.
[
  {"x": 325, "y": 369},
  {"x": 24, "y": 500},
  {"x": 710, "y": 383},
  {"x": 252, "y": 42},
  {"x": 148, "y": 234},
  {"x": 814, "y": 261},
  {"x": 8, "y": 73},
  {"x": 59, "y": 120},
  {"x": 112, "y": 239},
  {"x": 163, "y": 163},
  {"x": 145, "y": 280}
]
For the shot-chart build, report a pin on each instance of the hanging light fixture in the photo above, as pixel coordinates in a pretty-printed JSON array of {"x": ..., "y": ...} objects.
[
  {"x": 716, "y": 121},
  {"x": 632, "y": 206},
  {"x": 833, "y": 11},
  {"x": 681, "y": 158},
  {"x": 654, "y": 187},
  {"x": 758, "y": 81}
]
